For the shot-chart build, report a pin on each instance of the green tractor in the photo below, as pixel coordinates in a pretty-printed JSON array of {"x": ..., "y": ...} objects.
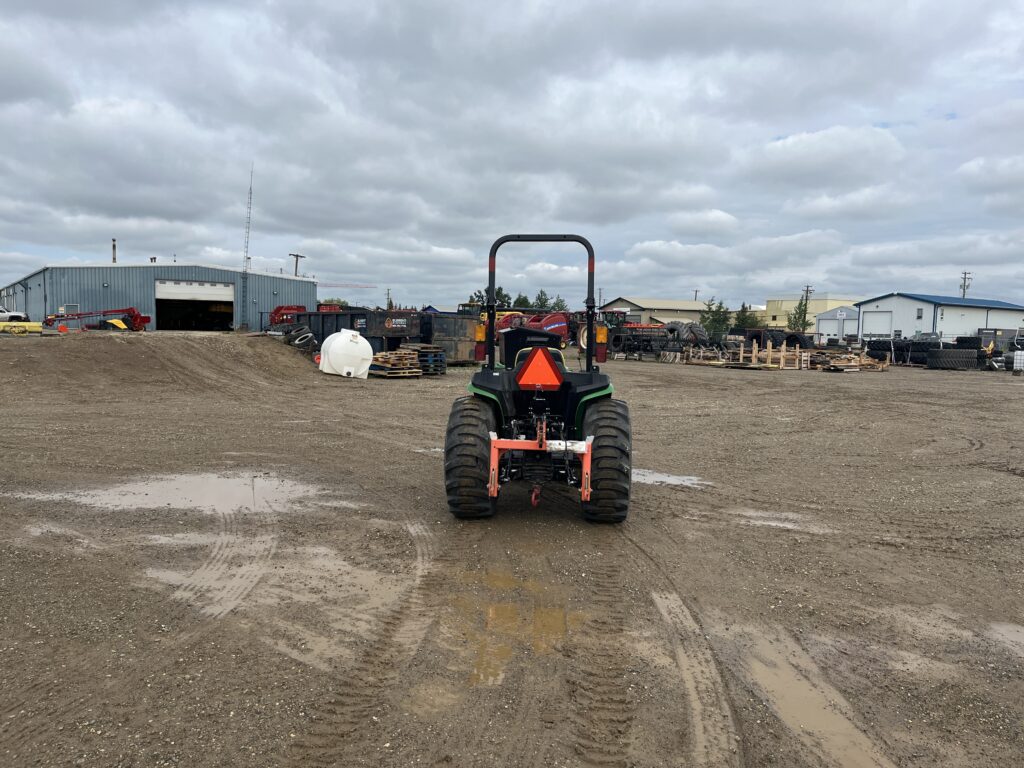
[{"x": 530, "y": 419}]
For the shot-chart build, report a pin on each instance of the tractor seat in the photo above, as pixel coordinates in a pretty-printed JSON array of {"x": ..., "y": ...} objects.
[{"x": 522, "y": 354}]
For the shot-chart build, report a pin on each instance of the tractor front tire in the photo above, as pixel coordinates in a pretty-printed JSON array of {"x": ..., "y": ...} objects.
[
  {"x": 607, "y": 421},
  {"x": 467, "y": 458}
]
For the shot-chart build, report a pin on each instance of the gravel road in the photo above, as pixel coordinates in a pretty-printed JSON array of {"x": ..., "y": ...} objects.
[{"x": 213, "y": 555}]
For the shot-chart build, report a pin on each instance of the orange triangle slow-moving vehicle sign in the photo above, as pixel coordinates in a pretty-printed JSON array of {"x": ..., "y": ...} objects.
[{"x": 539, "y": 371}]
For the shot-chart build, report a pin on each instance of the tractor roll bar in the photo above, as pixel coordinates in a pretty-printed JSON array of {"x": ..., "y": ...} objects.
[{"x": 590, "y": 303}]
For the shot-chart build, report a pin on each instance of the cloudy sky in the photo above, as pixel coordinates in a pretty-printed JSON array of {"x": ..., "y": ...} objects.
[{"x": 737, "y": 148}]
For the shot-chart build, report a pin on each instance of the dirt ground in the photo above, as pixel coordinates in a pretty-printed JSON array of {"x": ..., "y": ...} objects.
[{"x": 213, "y": 555}]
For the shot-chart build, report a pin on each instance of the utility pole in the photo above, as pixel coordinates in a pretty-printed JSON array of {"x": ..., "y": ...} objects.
[
  {"x": 965, "y": 283},
  {"x": 243, "y": 304},
  {"x": 808, "y": 290},
  {"x": 296, "y": 256},
  {"x": 695, "y": 292}
]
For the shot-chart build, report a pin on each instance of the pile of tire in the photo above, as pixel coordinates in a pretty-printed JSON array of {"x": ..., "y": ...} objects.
[
  {"x": 791, "y": 339},
  {"x": 688, "y": 334},
  {"x": 300, "y": 337},
  {"x": 953, "y": 359},
  {"x": 967, "y": 342}
]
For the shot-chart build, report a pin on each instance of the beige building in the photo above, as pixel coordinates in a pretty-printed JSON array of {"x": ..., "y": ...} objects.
[
  {"x": 645, "y": 310},
  {"x": 776, "y": 310}
]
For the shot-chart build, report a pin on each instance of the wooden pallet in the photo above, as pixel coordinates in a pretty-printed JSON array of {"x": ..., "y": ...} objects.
[
  {"x": 396, "y": 373},
  {"x": 399, "y": 364},
  {"x": 429, "y": 358}
]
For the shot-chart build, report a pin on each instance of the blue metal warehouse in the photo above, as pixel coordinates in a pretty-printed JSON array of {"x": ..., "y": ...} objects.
[{"x": 176, "y": 296}]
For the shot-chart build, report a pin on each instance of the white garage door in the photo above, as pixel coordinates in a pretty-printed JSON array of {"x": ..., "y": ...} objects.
[
  {"x": 194, "y": 291},
  {"x": 828, "y": 327},
  {"x": 877, "y": 324}
]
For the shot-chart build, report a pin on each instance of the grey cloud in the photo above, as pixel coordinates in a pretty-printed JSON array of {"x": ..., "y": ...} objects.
[
  {"x": 833, "y": 158},
  {"x": 393, "y": 140}
]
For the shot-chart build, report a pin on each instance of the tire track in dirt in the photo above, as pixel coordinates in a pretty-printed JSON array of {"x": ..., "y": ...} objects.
[
  {"x": 712, "y": 724},
  {"x": 602, "y": 704},
  {"x": 40, "y": 707},
  {"x": 780, "y": 670},
  {"x": 814, "y": 711},
  {"x": 338, "y": 725},
  {"x": 714, "y": 728}
]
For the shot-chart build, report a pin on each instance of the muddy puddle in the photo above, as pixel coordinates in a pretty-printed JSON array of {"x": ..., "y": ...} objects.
[
  {"x": 789, "y": 521},
  {"x": 650, "y": 477},
  {"x": 209, "y": 493},
  {"x": 813, "y": 710},
  {"x": 502, "y": 616}
]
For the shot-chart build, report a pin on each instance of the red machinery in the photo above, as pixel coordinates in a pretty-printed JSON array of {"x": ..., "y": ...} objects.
[
  {"x": 552, "y": 322},
  {"x": 130, "y": 316},
  {"x": 285, "y": 313}
]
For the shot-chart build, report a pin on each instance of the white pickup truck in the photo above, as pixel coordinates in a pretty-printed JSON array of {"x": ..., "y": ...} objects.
[{"x": 12, "y": 316}]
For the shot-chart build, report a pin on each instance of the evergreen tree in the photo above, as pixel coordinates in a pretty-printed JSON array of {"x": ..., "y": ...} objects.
[
  {"x": 501, "y": 297},
  {"x": 522, "y": 301},
  {"x": 715, "y": 318},
  {"x": 559, "y": 304},
  {"x": 541, "y": 300},
  {"x": 797, "y": 320},
  {"x": 746, "y": 318}
]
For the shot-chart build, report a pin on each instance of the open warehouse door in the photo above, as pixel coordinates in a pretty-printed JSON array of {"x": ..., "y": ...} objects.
[{"x": 194, "y": 305}]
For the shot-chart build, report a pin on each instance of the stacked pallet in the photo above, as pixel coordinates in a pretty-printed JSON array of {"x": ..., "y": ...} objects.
[
  {"x": 430, "y": 358},
  {"x": 400, "y": 364}
]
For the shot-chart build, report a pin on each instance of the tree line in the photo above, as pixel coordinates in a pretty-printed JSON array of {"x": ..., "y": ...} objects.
[
  {"x": 718, "y": 320},
  {"x": 541, "y": 301}
]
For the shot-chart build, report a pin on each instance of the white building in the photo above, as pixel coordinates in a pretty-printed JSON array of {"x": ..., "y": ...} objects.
[
  {"x": 905, "y": 314},
  {"x": 837, "y": 323}
]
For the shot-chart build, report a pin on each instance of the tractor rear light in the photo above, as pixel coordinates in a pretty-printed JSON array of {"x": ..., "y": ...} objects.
[
  {"x": 480, "y": 334},
  {"x": 539, "y": 371}
]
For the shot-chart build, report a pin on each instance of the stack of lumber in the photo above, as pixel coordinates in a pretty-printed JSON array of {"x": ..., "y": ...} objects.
[
  {"x": 400, "y": 364},
  {"x": 430, "y": 358}
]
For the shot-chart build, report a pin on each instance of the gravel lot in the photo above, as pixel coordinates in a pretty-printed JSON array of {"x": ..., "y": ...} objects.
[{"x": 212, "y": 555}]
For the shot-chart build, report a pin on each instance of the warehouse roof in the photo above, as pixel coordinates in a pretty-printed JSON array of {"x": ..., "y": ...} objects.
[
  {"x": 645, "y": 303},
  {"x": 833, "y": 314},
  {"x": 948, "y": 301},
  {"x": 173, "y": 264}
]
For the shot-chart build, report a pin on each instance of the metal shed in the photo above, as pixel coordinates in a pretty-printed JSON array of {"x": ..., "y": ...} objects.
[{"x": 176, "y": 296}]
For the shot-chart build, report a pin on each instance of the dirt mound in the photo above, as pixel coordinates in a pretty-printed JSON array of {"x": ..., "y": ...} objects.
[{"x": 193, "y": 361}]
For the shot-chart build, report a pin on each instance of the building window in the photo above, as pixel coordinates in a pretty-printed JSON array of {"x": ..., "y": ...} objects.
[
  {"x": 774, "y": 318},
  {"x": 920, "y": 313}
]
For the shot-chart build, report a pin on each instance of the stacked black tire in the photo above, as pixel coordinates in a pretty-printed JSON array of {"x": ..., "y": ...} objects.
[
  {"x": 688, "y": 334},
  {"x": 953, "y": 359},
  {"x": 791, "y": 339}
]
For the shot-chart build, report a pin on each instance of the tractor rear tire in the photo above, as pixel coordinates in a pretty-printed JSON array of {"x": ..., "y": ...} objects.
[
  {"x": 611, "y": 470},
  {"x": 467, "y": 458}
]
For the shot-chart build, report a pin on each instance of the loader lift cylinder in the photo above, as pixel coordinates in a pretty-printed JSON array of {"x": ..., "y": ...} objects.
[{"x": 491, "y": 304}]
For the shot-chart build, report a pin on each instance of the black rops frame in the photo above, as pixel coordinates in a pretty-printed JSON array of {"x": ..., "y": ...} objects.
[{"x": 590, "y": 303}]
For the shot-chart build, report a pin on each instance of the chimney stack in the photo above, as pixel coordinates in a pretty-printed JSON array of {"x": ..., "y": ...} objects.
[{"x": 113, "y": 250}]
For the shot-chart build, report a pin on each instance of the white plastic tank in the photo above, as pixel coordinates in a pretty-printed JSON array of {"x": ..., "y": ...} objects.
[{"x": 346, "y": 353}]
